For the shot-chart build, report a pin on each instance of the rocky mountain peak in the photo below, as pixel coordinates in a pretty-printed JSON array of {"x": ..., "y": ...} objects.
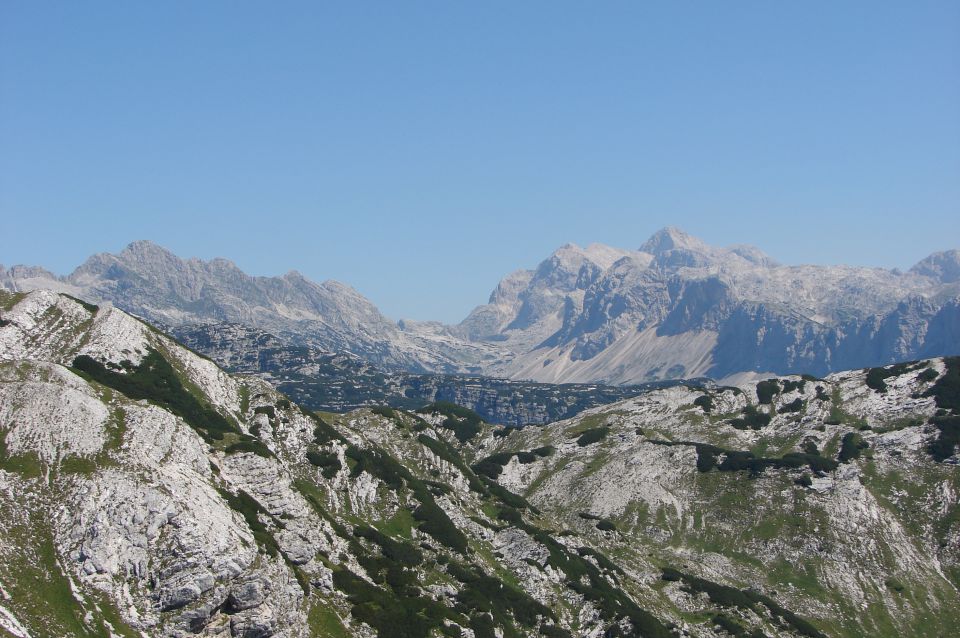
[
  {"x": 146, "y": 253},
  {"x": 942, "y": 266},
  {"x": 672, "y": 238}
]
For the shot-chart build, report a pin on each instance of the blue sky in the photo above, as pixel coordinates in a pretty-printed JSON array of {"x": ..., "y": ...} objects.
[{"x": 421, "y": 150}]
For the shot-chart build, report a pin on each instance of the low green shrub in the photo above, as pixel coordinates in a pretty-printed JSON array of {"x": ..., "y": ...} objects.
[
  {"x": 704, "y": 402},
  {"x": 155, "y": 380},
  {"x": 766, "y": 390},
  {"x": 465, "y": 423},
  {"x": 948, "y": 438},
  {"x": 946, "y": 391},
  {"x": 851, "y": 447},
  {"x": 876, "y": 377},
  {"x": 327, "y": 461},
  {"x": 255, "y": 446},
  {"x": 251, "y": 511},
  {"x": 726, "y": 596},
  {"x": 446, "y": 452},
  {"x": 794, "y": 406},
  {"x": 593, "y": 435},
  {"x": 397, "y": 551},
  {"x": 753, "y": 418},
  {"x": 790, "y": 386},
  {"x": 605, "y": 525}
]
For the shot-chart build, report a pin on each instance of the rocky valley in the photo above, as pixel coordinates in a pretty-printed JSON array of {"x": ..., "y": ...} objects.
[
  {"x": 146, "y": 492},
  {"x": 339, "y": 382}
]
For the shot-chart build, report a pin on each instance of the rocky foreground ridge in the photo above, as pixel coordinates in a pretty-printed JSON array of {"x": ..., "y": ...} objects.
[{"x": 146, "y": 492}]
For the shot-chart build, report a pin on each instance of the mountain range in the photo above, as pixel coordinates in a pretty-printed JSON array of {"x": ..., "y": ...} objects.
[
  {"x": 673, "y": 308},
  {"x": 148, "y": 493}
]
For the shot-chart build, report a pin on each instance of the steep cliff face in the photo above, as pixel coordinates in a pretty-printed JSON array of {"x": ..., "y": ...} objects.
[
  {"x": 147, "y": 493},
  {"x": 679, "y": 308}
]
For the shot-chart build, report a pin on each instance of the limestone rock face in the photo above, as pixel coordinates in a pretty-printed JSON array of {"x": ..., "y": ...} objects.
[{"x": 679, "y": 308}]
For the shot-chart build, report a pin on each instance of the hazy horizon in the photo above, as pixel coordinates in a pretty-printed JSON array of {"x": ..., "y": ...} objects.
[{"x": 421, "y": 152}]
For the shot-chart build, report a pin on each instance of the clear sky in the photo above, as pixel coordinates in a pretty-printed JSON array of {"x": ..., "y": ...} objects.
[{"x": 421, "y": 150}]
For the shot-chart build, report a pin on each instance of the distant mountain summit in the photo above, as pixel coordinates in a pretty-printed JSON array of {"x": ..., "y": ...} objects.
[
  {"x": 676, "y": 307},
  {"x": 943, "y": 267},
  {"x": 150, "y": 281}
]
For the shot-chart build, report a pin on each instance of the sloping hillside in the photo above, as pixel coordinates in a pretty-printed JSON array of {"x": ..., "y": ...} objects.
[{"x": 146, "y": 492}]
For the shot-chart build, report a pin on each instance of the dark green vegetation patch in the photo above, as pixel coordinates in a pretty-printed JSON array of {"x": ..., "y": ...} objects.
[
  {"x": 156, "y": 381},
  {"x": 876, "y": 377},
  {"x": 593, "y": 435},
  {"x": 794, "y": 406},
  {"x": 503, "y": 602},
  {"x": 766, "y": 390},
  {"x": 397, "y": 611},
  {"x": 789, "y": 386},
  {"x": 493, "y": 465},
  {"x": 736, "y": 461},
  {"x": 433, "y": 520},
  {"x": 945, "y": 445},
  {"x": 249, "y": 444},
  {"x": 946, "y": 393},
  {"x": 252, "y": 511},
  {"x": 445, "y": 452},
  {"x": 704, "y": 402},
  {"x": 328, "y": 462},
  {"x": 465, "y": 423},
  {"x": 592, "y": 582},
  {"x": 753, "y": 418},
  {"x": 851, "y": 447},
  {"x": 397, "y": 551},
  {"x": 725, "y": 596},
  {"x": 89, "y": 307}
]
